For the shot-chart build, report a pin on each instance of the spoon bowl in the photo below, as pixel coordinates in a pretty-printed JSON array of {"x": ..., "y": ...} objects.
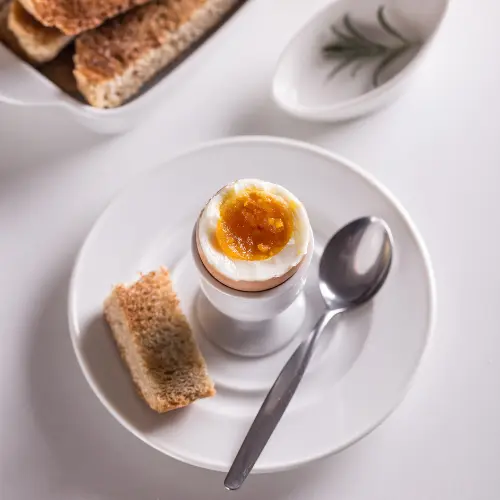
[
  {"x": 355, "y": 262},
  {"x": 303, "y": 84}
]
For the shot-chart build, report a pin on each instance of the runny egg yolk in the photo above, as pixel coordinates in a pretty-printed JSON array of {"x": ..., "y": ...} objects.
[{"x": 253, "y": 225}]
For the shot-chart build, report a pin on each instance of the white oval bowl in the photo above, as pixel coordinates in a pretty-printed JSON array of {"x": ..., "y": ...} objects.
[{"x": 301, "y": 85}]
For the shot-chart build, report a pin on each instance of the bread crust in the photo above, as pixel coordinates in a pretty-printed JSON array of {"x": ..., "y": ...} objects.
[{"x": 75, "y": 16}]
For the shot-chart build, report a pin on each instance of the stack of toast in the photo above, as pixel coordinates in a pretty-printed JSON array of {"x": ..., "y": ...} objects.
[{"x": 118, "y": 45}]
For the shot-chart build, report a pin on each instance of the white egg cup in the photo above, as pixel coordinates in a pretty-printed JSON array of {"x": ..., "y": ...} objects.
[{"x": 251, "y": 323}]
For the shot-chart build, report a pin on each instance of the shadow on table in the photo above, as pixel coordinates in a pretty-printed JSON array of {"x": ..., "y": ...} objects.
[
  {"x": 89, "y": 455},
  {"x": 265, "y": 118}
]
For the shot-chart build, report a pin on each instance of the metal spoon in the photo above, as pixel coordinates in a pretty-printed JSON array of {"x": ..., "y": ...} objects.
[{"x": 353, "y": 267}]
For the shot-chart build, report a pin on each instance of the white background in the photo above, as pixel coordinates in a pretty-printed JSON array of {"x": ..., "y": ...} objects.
[{"x": 437, "y": 149}]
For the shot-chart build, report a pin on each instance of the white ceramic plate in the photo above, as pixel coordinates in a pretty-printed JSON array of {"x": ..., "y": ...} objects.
[{"x": 364, "y": 366}]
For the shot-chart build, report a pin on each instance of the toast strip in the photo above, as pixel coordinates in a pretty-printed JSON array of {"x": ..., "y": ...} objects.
[
  {"x": 156, "y": 343},
  {"x": 75, "y": 16},
  {"x": 6, "y": 36},
  {"x": 39, "y": 43},
  {"x": 115, "y": 60}
]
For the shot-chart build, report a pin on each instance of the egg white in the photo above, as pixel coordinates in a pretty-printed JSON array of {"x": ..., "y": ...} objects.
[{"x": 257, "y": 270}]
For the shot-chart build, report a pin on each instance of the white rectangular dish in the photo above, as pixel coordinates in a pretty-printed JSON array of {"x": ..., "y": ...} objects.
[{"x": 23, "y": 85}]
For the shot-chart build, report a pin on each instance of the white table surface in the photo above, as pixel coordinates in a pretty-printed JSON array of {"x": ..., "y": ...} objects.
[{"x": 437, "y": 149}]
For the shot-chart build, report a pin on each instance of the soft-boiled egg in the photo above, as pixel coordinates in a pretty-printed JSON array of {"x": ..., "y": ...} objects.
[{"x": 253, "y": 235}]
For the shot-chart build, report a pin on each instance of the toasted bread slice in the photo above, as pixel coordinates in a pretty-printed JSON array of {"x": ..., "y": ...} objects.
[
  {"x": 39, "y": 43},
  {"x": 115, "y": 60},
  {"x": 156, "y": 343},
  {"x": 6, "y": 36},
  {"x": 75, "y": 16}
]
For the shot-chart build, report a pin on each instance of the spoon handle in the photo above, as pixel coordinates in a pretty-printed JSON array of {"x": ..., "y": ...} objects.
[{"x": 275, "y": 404}]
